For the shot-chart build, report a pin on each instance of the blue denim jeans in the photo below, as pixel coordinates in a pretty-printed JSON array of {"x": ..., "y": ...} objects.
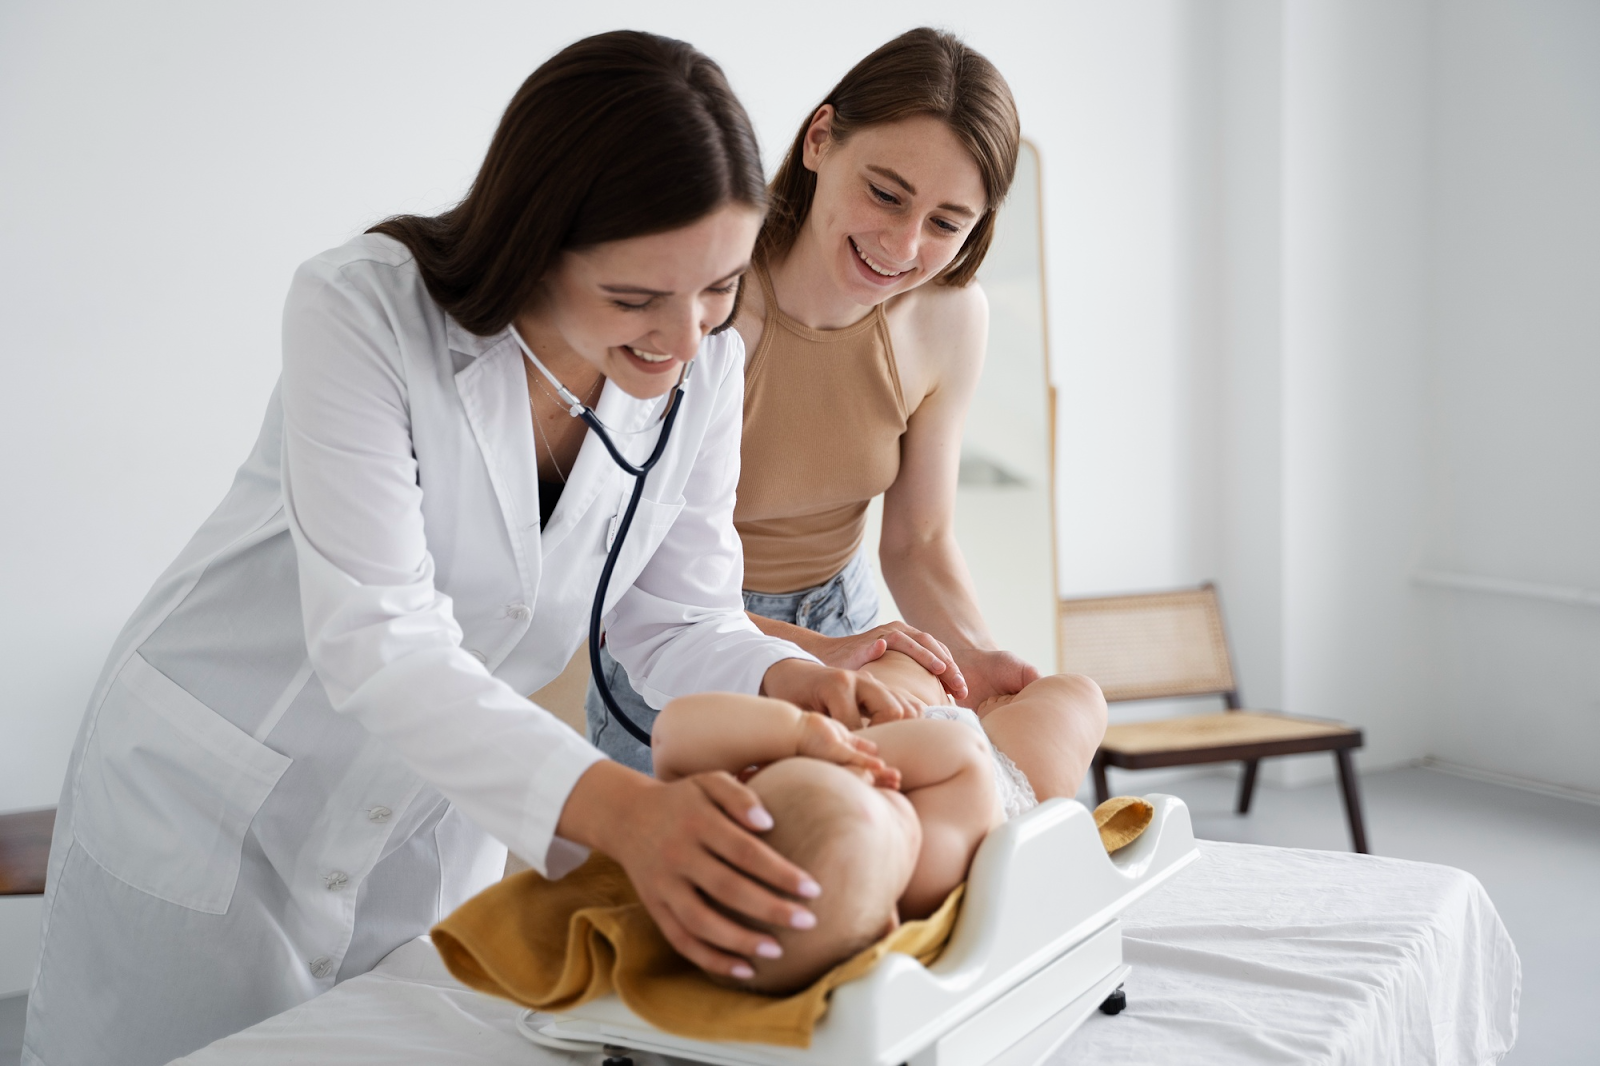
[{"x": 846, "y": 603}]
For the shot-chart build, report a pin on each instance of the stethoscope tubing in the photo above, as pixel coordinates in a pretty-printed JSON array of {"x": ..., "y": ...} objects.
[
  {"x": 634, "y": 729},
  {"x": 578, "y": 409}
]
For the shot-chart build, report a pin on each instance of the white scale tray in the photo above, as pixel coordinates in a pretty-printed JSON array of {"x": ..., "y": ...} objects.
[{"x": 1039, "y": 941}]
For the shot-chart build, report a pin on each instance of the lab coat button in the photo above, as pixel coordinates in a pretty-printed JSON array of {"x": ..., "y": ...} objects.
[
  {"x": 478, "y": 655},
  {"x": 378, "y": 814},
  {"x": 321, "y": 966},
  {"x": 336, "y": 880},
  {"x": 519, "y": 611}
]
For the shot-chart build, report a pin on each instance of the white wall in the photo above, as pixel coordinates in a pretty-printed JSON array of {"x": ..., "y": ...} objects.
[
  {"x": 1243, "y": 369},
  {"x": 1118, "y": 284},
  {"x": 1354, "y": 344},
  {"x": 1515, "y": 464},
  {"x": 167, "y": 166},
  {"x": 1331, "y": 322}
]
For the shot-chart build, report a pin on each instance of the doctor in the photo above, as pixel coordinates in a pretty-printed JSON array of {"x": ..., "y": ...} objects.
[{"x": 310, "y": 741}]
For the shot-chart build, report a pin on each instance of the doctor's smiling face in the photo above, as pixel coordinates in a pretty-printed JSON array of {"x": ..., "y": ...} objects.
[{"x": 636, "y": 310}]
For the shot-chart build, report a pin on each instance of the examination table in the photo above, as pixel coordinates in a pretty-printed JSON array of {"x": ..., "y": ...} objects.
[{"x": 1250, "y": 955}]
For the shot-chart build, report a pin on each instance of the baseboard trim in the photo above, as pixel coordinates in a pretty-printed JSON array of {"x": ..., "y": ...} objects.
[{"x": 1494, "y": 777}]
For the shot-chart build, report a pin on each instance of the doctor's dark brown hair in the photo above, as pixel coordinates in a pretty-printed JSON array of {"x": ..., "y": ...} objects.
[
  {"x": 920, "y": 72},
  {"x": 619, "y": 135}
]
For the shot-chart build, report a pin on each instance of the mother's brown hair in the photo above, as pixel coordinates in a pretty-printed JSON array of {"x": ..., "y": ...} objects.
[
  {"x": 619, "y": 135},
  {"x": 920, "y": 72}
]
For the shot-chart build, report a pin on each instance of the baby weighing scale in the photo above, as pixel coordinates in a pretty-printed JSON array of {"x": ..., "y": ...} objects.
[{"x": 1037, "y": 948}]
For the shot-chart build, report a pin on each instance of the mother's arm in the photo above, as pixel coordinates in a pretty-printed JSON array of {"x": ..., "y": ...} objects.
[{"x": 922, "y": 563}]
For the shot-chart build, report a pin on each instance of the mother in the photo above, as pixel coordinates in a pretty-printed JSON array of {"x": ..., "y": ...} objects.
[
  {"x": 866, "y": 337},
  {"x": 310, "y": 742}
]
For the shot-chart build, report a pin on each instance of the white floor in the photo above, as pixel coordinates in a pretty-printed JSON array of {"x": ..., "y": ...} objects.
[
  {"x": 12, "y": 1009},
  {"x": 1538, "y": 856}
]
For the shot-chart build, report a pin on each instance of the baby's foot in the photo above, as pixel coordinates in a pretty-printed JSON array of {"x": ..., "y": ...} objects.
[
  {"x": 1050, "y": 684},
  {"x": 996, "y": 701}
]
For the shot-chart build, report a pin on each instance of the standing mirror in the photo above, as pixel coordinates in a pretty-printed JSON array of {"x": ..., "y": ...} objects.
[{"x": 1004, "y": 502}]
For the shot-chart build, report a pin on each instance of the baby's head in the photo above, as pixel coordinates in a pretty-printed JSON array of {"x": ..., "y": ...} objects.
[{"x": 860, "y": 843}]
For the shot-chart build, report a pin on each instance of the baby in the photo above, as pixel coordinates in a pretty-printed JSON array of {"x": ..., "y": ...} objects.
[{"x": 886, "y": 818}]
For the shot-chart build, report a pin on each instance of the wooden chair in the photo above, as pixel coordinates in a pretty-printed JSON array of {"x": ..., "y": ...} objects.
[
  {"x": 1163, "y": 645},
  {"x": 25, "y": 851}
]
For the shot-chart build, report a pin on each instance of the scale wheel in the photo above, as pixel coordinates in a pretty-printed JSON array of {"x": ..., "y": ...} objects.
[{"x": 1114, "y": 1003}]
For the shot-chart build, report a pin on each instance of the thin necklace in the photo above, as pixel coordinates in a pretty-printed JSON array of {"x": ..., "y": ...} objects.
[{"x": 538, "y": 424}]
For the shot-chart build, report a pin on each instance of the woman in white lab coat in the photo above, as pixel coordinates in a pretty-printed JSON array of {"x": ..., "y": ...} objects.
[{"x": 311, "y": 740}]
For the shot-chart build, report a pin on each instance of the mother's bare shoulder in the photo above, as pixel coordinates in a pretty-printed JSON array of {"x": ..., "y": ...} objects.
[{"x": 939, "y": 334}]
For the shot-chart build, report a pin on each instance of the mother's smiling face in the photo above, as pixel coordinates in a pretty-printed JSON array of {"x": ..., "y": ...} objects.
[{"x": 893, "y": 205}]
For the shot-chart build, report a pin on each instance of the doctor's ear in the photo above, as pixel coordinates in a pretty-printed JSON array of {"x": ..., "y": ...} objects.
[{"x": 819, "y": 137}]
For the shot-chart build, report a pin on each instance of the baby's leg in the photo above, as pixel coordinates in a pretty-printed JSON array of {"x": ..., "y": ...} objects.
[
  {"x": 1050, "y": 730},
  {"x": 902, "y": 672}
]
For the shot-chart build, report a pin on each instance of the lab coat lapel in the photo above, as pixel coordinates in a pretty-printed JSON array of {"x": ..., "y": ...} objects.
[
  {"x": 596, "y": 480},
  {"x": 494, "y": 394}
]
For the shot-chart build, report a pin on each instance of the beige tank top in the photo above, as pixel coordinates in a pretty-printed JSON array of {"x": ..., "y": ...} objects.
[{"x": 823, "y": 417}]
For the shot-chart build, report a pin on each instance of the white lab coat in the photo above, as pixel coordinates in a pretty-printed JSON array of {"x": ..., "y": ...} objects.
[{"x": 311, "y": 741}]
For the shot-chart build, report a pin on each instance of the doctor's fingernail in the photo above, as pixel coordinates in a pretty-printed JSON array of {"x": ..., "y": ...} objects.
[
  {"x": 810, "y": 889},
  {"x": 760, "y": 818},
  {"x": 769, "y": 949},
  {"x": 743, "y": 972},
  {"x": 803, "y": 920}
]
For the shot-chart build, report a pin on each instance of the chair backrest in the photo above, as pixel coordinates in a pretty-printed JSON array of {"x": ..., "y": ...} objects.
[{"x": 1150, "y": 645}]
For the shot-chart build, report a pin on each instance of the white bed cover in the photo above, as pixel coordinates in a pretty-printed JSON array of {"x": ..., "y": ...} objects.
[{"x": 1252, "y": 955}]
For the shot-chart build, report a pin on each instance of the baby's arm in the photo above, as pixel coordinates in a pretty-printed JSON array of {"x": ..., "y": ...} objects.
[
  {"x": 730, "y": 731},
  {"x": 948, "y": 775}
]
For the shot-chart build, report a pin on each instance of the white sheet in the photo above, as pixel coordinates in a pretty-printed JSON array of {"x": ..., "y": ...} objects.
[
  {"x": 1252, "y": 956},
  {"x": 1277, "y": 955}
]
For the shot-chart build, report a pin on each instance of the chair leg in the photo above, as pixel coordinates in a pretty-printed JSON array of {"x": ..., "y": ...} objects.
[
  {"x": 1102, "y": 791},
  {"x": 1247, "y": 785},
  {"x": 1352, "y": 799}
]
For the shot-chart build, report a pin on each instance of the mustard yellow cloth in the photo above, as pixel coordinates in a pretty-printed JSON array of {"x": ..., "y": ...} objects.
[
  {"x": 552, "y": 945},
  {"x": 1122, "y": 820}
]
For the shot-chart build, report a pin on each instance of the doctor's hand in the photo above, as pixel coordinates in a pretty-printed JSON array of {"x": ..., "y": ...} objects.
[
  {"x": 844, "y": 695},
  {"x": 991, "y": 672},
  {"x": 686, "y": 845},
  {"x": 929, "y": 652}
]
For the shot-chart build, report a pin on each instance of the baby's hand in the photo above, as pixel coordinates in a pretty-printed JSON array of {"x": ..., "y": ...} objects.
[
  {"x": 823, "y": 738},
  {"x": 911, "y": 707}
]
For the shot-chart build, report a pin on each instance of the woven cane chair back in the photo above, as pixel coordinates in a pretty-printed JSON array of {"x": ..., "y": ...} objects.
[{"x": 1149, "y": 645}]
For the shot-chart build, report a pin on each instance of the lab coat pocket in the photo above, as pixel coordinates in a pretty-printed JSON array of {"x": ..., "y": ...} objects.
[
  {"x": 167, "y": 789},
  {"x": 650, "y": 525}
]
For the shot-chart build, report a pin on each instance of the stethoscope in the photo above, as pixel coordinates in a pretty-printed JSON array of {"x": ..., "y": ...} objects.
[{"x": 578, "y": 409}]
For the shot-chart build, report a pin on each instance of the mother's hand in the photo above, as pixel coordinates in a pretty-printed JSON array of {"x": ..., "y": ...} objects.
[
  {"x": 854, "y": 652},
  {"x": 686, "y": 843},
  {"x": 991, "y": 672}
]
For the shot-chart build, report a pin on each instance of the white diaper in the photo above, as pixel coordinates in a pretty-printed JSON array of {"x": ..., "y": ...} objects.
[{"x": 1016, "y": 794}]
